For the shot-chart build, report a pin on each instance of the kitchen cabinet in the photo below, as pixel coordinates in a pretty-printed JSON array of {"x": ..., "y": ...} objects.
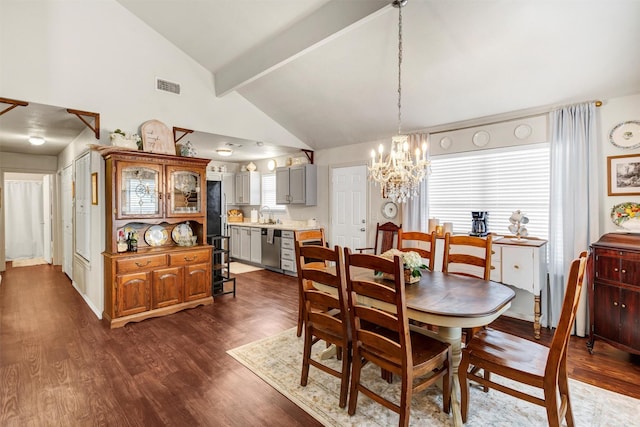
[
  {"x": 245, "y": 243},
  {"x": 158, "y": 197},
  {"x": 247, "y": 188},
  {"x": 614, "y": 291},
  {"x": 297, "y": 185},
  {"x": 235, "y": 242},
  {"x": 288, "y": 253},
  {"x": 256, "y": 245}
]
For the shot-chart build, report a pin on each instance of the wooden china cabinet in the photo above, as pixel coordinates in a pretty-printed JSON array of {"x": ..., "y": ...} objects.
[
  {"x": 614, "y": 291},
  {"x": 162, "y": 200}
]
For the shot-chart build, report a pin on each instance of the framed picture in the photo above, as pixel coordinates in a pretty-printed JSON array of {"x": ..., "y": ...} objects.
[
  {"x": 94, "y": 188},
  {"x": 623, "y": 175}
]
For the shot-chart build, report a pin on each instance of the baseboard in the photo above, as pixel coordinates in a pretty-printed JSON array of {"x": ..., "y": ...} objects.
[{"x": 93, "y": 308}]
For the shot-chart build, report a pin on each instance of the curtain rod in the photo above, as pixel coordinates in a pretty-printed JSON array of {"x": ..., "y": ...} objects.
[{"x": 498, "y": 118}]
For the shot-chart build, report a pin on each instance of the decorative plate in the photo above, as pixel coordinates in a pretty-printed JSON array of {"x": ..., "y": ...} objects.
[
  {"x": 181, "y": 233},
  {"x": 481, "y": 138},
  {"x": 627, "y": 216},
  {"x": 445, "y": 143},
  {"x": 156, "y": 235},
  {"x": 626, "y": 135},
  {"x": 522, "y": 131},
  {"x": 389, "y": 210}
]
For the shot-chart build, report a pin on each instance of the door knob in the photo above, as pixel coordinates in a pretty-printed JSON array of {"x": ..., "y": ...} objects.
[{"x": 363, "y": 229}]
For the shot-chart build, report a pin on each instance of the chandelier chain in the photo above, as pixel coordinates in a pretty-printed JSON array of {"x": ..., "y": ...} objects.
[{"x": 400, "y": 68}]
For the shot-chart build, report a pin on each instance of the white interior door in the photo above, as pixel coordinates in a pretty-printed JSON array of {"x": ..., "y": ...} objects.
[
  {"x": 349, "y": 206},
  {"x": 67, "y": 221},
  {"x": 46, "y": 217}
]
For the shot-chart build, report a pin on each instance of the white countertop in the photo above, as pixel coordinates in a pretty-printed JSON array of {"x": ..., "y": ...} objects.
[{"x": 285, "y": 226}]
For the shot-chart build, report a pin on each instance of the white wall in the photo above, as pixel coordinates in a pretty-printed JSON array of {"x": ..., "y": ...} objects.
[{"x": 613, "y": 112}]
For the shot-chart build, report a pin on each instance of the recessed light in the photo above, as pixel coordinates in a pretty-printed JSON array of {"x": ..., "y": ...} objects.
[
  {"x": 225, "y": 152},
  {"x": 36, "y": 140}
]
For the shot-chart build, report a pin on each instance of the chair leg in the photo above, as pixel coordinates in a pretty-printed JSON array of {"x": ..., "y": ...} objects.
[
  {"x": 356, "y": 367},
  {"x": 344, "y": 378},
  {"x": 447, "y": 385},
  {"x": 300, "y": 317},
  {"x": 464, "y": 388},
  {"x": 563, "y": 386},
  {"x": 551, "y": 405},
  {"x": 405, "y": 400},
  {"x": 308, "y": 342}
]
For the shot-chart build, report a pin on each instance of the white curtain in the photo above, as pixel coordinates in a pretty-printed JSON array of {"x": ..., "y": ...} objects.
[
  {"x": 24, "y": 234},
  {"x": 415, "y": 213},
  {"x": 573, "y": 212}
]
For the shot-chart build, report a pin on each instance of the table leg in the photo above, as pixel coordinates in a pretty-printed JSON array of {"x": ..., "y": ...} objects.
[
  {"x": 536, "y": 317},
  {"x": 453, "y": 336}
]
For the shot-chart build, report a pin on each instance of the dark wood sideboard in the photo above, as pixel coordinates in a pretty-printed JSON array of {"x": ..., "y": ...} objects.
[{"x": 614, "y": 291}]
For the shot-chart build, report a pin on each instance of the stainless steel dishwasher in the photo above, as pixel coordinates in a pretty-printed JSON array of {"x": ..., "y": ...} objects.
[{"x": 271, "y": 248}]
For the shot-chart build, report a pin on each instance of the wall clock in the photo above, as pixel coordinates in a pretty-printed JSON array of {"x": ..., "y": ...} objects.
[
  {"x": 626, "y": 135},
  {"x": 389, "y": 210}
]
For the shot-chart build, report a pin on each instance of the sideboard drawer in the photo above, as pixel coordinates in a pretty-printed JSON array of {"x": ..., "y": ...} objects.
[
  {"x": 143, "y": 262},
  {"x": 192, "y": 257}
]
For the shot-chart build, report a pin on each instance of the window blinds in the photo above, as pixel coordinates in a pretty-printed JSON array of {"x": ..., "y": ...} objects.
[{"x": 498, "y": 181}]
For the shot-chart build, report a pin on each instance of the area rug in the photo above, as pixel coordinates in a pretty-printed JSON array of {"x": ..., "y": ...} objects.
[
  {"x": 278, "y": 361},
  {"x": 239, "y": 268},
  {"x": 27, "y": 262}
]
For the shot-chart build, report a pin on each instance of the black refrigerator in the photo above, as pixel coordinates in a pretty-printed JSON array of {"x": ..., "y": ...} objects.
[{"x": 215, "y": 207}]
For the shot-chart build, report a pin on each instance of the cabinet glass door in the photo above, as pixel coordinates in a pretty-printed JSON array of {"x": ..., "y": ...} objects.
[
  {"x": 184, "y": 192},
  {"x": 140, "y": 191}
]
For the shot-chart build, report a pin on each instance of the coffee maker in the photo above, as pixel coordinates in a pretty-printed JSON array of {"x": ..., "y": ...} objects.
[{"x": 479, "y": 223}]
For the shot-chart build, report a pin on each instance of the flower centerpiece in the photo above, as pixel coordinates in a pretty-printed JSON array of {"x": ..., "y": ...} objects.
[
  {"x": 411, "y": 261},
  {"x": 627, "y": 216}
]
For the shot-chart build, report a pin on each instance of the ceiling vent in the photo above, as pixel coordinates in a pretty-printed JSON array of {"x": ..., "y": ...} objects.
[{"x": 167, "y": 86}]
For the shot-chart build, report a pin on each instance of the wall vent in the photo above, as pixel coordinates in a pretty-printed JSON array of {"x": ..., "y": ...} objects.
[{"x": 167, "y": 86}]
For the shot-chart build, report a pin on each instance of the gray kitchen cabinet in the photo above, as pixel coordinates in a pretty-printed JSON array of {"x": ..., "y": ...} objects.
[
  {"x": 256, "y": 245},
  {"x": 245, "y": 243},
  {"x": 247, "y": 188},
  {"x": 235, "y": 242},
  {"x": 297, "y": 185}
]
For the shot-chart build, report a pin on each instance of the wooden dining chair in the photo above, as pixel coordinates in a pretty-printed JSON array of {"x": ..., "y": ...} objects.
[
  {"x": 417, "y": 359},
  {"x": 468, "y": 256},
  {"x": 330, "y": 322},
  {"x": 306, "y": 237},
  {"x": 526, "y": 361},
  {"x": 386, "y": 238},
  {"x": 417, "y": 241}
]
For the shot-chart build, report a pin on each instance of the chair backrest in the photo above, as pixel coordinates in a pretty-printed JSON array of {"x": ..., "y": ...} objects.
[
  {"x": 312, "y": 297},
  {"x": 390, "y": 343},
  {"x": 560, "y": 341},
  {"x": 309, "y": 237},
  {"x": 386, "y": 235},
  {"x": 467, "y": 256},
  {"x": 422, "y": 243}
]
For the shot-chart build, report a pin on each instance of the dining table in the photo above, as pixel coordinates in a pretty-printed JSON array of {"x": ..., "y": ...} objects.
[{"x": 450, "y": 302}]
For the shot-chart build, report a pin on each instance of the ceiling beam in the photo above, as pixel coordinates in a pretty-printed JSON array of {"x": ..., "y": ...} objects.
[{"x": 330, "y": 21}]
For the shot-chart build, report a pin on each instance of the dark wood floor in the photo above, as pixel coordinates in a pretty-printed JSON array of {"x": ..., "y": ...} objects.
[{"x": 59, "y": 365}]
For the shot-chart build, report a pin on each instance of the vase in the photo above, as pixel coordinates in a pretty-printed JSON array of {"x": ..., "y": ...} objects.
[{"x": 408, "y": 278}]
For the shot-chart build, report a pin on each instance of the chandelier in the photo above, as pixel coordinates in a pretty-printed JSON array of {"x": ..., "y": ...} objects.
[{"x": 399, "y": 174}]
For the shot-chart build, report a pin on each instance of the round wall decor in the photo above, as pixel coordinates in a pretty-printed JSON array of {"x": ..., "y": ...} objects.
[
  {"x": 626, "y": 134},
  {"x": 389, "y": 210},
  {"x": 522, "y": 131},
  {"x": 481, "y": 138}
]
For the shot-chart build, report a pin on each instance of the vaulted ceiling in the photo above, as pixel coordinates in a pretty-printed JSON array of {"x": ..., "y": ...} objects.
[{"x": 327, "y": 70}]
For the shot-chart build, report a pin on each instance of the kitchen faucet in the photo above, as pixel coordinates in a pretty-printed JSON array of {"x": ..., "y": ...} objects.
[{"x": 268, "y": 209}]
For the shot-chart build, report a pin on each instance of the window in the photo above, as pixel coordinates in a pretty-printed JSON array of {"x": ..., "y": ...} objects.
[
  {"x": 498, "y": 181},
  {"x": 269, "y": 192}
]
